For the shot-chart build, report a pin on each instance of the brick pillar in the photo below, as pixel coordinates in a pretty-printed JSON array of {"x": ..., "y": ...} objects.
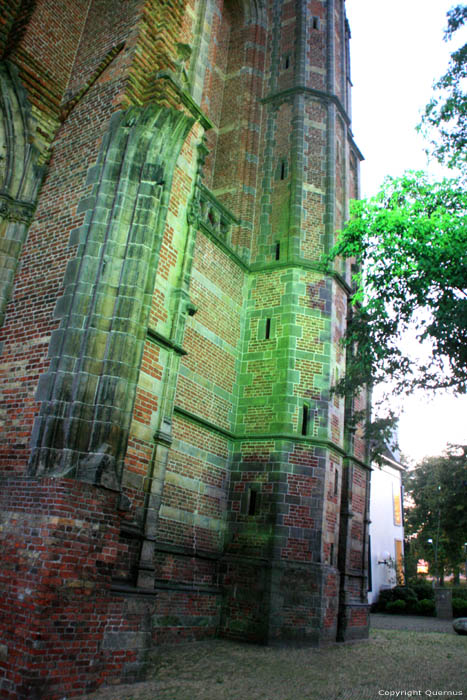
[
  {"x": 443, "y": 600},
  {"x": 59, "y": 541}
]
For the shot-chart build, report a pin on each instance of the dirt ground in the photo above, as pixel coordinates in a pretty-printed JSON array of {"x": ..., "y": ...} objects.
[{"x": 394, "y": 663}]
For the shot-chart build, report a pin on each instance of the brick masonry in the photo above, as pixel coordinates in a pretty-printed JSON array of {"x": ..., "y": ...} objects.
[{"x": 174, "y": 465}]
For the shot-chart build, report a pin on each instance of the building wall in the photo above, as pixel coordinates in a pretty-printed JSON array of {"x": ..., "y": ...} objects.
[
  {"x": 171, "y": 452},
  {"x": 386, "y": 527}
]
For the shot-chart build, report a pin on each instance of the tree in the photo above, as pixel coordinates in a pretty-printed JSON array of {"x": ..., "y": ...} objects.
[
  {"x": 409, "y": 247},
  {"x": 444, "y": 122},
  {"x": 436, "y": 517}
]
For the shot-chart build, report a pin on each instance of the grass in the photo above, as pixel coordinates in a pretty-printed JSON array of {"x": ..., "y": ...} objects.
[{"x": 390, "y": 661}]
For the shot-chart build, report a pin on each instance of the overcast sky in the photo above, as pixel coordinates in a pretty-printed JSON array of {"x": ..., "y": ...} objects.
[{"x": 397, "y": 52}]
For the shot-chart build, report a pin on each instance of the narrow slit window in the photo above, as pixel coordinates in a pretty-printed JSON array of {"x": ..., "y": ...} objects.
[
  {"x": 331, "y": 554},
  {"x": 252, "y": 503},
  {"x": 283, "y": 170},
  {"x": 305, "y": 419},
  {"x": 278, "y": 251},
  {"x": 267, "y": 332},
  {"x": 286, "y": 62},
  {"x": 336, "y": 482},
  {"x": 315, "y": 22}
]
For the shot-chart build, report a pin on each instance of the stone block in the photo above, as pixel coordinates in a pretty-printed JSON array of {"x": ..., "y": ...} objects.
[{"x": 460, "y": 625}]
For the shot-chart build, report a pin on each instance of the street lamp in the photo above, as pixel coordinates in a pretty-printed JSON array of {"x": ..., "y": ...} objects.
[
  {"x": 430, "y": 541},
  {"x": 384, "y": 558}
]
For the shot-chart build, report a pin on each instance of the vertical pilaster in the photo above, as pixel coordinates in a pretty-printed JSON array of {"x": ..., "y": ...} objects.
[
  {"x": 181, "y": 307},
  {"x": 20, "y": 175}
]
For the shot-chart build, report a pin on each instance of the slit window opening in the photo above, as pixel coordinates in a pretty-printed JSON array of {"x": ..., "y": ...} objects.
[
  {"x": 252, "y": 503},
  {"x": 267, "y": 332},
  {"x": 305, "y": 418}
]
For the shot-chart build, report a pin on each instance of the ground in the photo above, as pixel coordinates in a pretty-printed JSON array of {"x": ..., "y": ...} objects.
[{"x": 427, "y": 657}]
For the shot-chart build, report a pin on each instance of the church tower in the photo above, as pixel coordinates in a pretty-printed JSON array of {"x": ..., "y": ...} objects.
[{"x": 174, "y": 464}]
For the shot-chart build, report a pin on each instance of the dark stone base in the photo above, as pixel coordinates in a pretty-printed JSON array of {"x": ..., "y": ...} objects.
[
  {"x": 279, "y": 603},
  {"x": 354, "y": 622}
]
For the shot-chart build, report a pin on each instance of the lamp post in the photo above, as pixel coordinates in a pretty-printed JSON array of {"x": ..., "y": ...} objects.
[
  {"x": 437, "y": 538},
  {"x": 435, "y": 548}
]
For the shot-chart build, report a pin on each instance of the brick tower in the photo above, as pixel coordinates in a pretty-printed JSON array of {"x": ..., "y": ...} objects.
[{"x": 173, "y": 463}]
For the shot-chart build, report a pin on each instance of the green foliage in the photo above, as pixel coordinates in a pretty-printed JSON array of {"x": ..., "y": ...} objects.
[
  {"x": 405, "y": 593},
  {"x": 437, "y": 490},
  {"x": 459, "y": 607},
  {"x": 409, "y": 247},
  {"x": 396, "y": 606},
  {"x": 426, "y": 607},
  {"x": 459, "y": 592},
  {"x": 416, "y": 600},
  {"x": 423, "y": 590},
  {"x": 445, "y": 120},
  {"x": 398, "y": 594}
]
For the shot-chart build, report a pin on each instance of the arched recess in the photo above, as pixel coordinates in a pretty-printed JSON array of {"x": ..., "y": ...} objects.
[
  {"x": 20, "y": 176},
  {"x": 89, "y": 391},
  {"x": 233, "y": 69}
]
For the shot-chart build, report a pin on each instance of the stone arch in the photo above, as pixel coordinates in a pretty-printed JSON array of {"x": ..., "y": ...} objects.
[
  {"x": 253, "y": 10},
  {"x": 88, "y": 393},
  {"x": 20, "y": 176}
]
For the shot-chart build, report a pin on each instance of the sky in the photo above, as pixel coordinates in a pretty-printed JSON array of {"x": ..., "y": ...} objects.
[{"x": 397, "y": 53}]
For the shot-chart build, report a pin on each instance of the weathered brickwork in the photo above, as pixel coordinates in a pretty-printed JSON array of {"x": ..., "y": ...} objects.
[
  {"x": 174, "y": 463},
  {"x": 59, "y": 544}
]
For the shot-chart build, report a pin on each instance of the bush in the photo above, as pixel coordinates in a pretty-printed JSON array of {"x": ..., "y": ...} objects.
[
  {"x": 403, "y": 594},
  {"x": 396, "y": 606},
  {"x": 385, "y": 596},
  {"x": 406, "y": 594},
  {"x": 459, "y": 607},
  {"x": 459, "y": 592},
  {"x": 426, "y": 607},
  {"x": 423, "y": 590}
]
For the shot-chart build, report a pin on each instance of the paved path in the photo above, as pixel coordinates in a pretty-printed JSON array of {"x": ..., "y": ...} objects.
[{"x": 412, "y": 623}]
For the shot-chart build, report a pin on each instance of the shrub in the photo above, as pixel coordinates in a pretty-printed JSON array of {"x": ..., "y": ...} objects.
[
  {"x": 396, "y": 606},
  {"x": 459, "y": 592},
  {"x": 385, "y": 596},
  {"x": 425, "y": 607},
  {"x": 459, "y": 607},
  {"x": 404, "y": 594},
  {"x": 423, "y": 590}
]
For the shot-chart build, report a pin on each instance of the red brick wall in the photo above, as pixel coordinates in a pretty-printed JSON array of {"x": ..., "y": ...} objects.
[
  {"x": 44, "y": 51},
  {"x": 59, "y": 543}
]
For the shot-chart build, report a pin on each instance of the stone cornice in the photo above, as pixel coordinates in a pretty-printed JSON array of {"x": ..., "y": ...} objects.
[
  {"x": 291, "y": 437},
  {"x": 320, "y": 95},
  {"x": 15, "y": 210}
]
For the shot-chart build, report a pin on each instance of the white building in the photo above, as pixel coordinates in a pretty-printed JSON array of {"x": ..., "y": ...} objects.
[{"x": 386, "y": 549}]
